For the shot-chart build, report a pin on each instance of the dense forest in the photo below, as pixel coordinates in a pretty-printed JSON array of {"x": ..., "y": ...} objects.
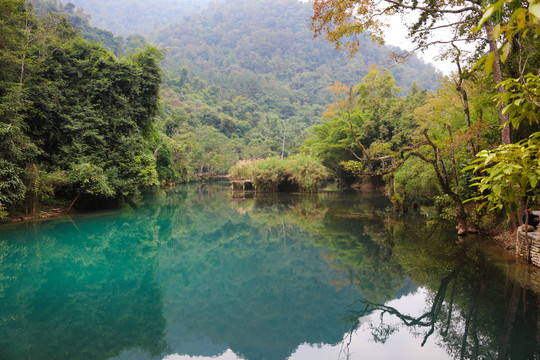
[
  {"x": 76, "y": 120},
  {"x": 250, "y": 74},
  {"x": 486, "y": 113}
]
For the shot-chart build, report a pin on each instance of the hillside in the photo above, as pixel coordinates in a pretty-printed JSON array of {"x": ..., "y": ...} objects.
[{"x": 239, "y": 39}]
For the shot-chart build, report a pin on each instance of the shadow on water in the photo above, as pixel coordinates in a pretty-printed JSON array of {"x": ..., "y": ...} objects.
[{"x": 196, "y": 272}]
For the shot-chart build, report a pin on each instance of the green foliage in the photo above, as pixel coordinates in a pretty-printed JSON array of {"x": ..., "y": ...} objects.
[
  {"x": 267, "y": 174},
  {"x": 212, "y": 152},
  {"x": 252, "y": 71},
  {"x": 70, "y": 107},
  {"x": 3, "y": 212},
  {"x": 445, "y": 206},
  {"x": 89, "y": 179},
  {"x": 507, "y": 174},
  {"x": 306, "y": 172},
  {"x": 352, "y": 166},
  {"x": 12, "y": 188},
  {"x": 242, "y": 169},
  {"x": 164, "y": 164},
  {"x": 522, "y": 99},
  {"x": 415, "y": 179},
  {"x": 367, "y": 121},
  {"x": 147, "y": 177}
]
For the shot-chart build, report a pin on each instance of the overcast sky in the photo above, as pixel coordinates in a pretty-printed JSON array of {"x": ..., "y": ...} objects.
[{"x": 396, "y": 35}]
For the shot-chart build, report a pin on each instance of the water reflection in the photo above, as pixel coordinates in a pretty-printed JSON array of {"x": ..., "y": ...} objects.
[{"x": 195, "y": 274}]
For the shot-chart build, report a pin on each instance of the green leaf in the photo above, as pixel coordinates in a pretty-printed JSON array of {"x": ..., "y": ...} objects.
[
  {"x": 489, "y": 158},
  {"x": 467, "y": 168},
  {"x": 482, "y": 205},
  {"x": 478, "y": 64},
  {"x": 533, "y": 180}
]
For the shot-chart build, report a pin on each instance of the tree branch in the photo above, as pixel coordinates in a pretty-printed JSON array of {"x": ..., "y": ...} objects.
[{"x": 398, "y": 4}]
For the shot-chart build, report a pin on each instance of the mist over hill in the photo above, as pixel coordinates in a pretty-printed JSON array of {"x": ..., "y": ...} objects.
[{"x": 126, "y": 17}]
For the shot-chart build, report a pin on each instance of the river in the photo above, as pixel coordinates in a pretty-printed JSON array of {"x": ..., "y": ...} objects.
[{"x": 202, "y": 273}]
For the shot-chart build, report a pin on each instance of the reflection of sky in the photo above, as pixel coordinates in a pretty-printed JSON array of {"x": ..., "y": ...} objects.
[{"x": 402, "y": 344}]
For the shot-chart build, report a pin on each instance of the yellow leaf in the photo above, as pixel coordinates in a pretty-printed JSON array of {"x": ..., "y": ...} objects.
[
  {"x": 505, "y": 51},
  {"x": 489, "y": 63},
  {"x": 497, "y": 32},
  {"x": 487, "y": 14},
  {"x": 535, "y": 10}
]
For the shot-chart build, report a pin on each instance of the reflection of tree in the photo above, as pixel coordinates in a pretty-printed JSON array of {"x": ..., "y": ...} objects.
[
  {"x": 68, "y": 288},
  {"x": 472, "y": 311},
  {"x": 231, "y": 277},
  {"x": 352, "y": 235},
  {"x": 428, "y": 320}
]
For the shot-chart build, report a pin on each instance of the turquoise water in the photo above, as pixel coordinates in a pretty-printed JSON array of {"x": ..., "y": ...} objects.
[{"x": 200, "y": 273}]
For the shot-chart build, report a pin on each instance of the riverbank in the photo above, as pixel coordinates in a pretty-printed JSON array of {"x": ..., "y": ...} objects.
[{"x": 45, "y": 213}]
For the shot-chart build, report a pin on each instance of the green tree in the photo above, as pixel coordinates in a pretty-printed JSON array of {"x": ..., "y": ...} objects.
[{"x": 508, "y": 175}]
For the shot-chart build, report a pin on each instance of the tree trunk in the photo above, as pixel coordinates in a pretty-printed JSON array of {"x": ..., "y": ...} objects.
[
  {"x": 465, "y": 98},
  {"x": 73, "y": 203},
  {"x": 497, "y": 74}
]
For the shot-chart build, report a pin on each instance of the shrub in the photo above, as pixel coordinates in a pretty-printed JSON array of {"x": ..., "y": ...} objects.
[
  {"x": 267, "y": 174},
  {"x": 242, "y": 169},
  {"x": 305, "y": 171}
]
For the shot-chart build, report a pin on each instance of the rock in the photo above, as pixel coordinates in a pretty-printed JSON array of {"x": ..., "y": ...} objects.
[{"x": 472, "y": 230}]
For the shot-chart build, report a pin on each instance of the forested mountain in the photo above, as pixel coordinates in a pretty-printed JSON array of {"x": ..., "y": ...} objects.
[
  {"x": 243, "y": 79},
  {"x": 126, "y": 17},
  {"x": 80, "y": 20},
  {"x": 234, "y": 42},
  {"x": 250, "y": 74}
]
